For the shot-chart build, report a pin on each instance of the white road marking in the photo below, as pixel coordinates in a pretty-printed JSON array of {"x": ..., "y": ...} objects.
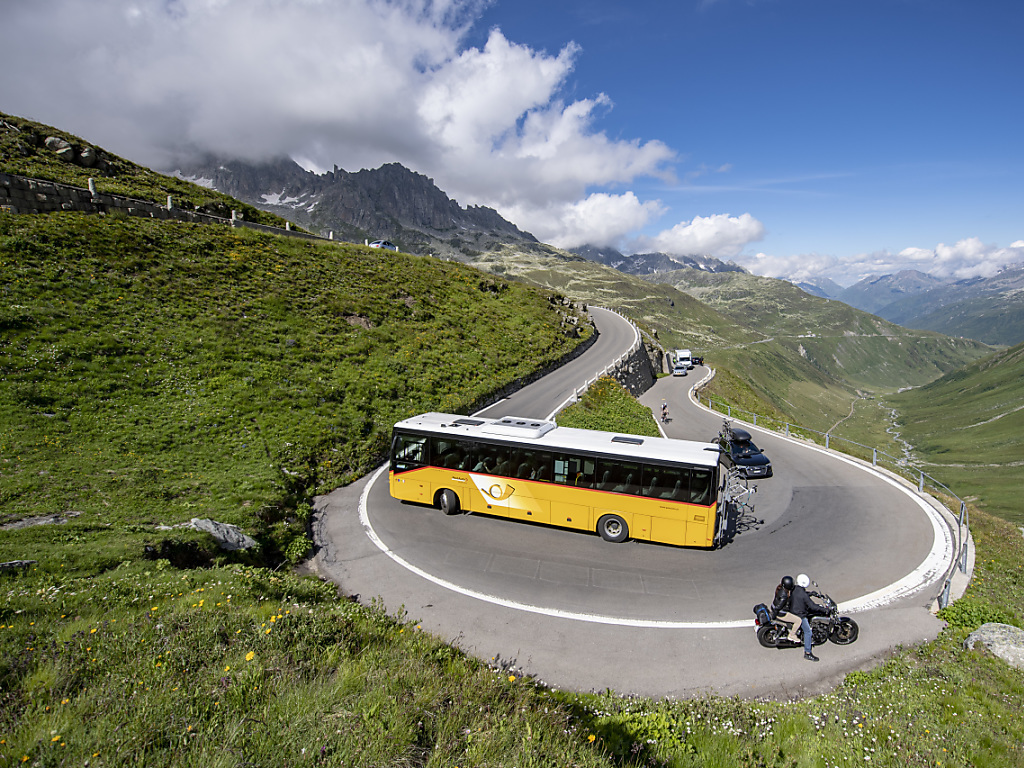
[{"x": 931, "y": 568}]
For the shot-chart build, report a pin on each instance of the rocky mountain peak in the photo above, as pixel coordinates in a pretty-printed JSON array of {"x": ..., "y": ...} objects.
[{"x": 390, "y": 202}]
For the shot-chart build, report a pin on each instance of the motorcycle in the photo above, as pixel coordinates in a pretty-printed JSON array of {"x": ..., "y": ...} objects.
[{"x": 774, "y": 633}]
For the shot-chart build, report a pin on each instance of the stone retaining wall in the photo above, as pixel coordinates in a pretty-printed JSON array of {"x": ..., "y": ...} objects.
[
  {"x": 19, "y": 194},
  {"x": 638, "y": 372}
]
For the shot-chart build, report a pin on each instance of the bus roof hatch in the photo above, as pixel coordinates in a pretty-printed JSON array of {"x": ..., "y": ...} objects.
[{"x": 511, "y": 426}]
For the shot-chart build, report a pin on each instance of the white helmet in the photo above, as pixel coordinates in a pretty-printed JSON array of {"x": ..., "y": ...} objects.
[{"x": 803, "y": 580}]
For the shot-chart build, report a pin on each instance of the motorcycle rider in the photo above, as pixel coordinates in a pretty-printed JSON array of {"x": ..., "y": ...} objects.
[
  {"x": 780, "y": 607},
  {"x": 801, "y": 604}
]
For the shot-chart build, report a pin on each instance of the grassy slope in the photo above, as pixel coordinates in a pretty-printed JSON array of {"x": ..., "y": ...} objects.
[
  {"x": 967, "y": 428},
  {"x": 154, "y": 372},
  {"x": 794, "y": 356},
  {"x": 862, "y": 350},
  {"x": 113, "y": 662},
  {"x": 679, "y": 320}
]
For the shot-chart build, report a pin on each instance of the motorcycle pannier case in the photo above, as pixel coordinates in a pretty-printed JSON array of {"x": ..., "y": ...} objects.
[{"x": 762, "y": 615}]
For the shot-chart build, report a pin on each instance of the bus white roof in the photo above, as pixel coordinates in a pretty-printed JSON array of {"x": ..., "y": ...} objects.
[{"x": 549, "y": 436}]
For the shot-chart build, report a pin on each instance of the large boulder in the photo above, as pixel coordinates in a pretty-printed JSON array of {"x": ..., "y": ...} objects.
[
  {"x": 61, "y": 148},
  {"x": 1002, "y": 640},
  {"x": 228, "y": 536}
]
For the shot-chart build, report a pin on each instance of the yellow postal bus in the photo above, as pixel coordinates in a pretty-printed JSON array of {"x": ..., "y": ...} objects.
[{"x": 621, "y": 486}]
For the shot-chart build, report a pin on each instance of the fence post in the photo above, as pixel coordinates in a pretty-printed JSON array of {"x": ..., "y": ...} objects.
[
  {"x": 944, "y": 598},
  {"x": 787, "y": 429},
  {"x": 963, "y": 559},
  {"x": 170, "y": 203},
  {"x": 826, "y": 440},
  {"x": 92, "y": 187},
  {"x": 874, "y": 457},
  {"x": 755, "y": 419},
  {"x": 920, "y": 483},
  {"x": 730, "y": 411}
]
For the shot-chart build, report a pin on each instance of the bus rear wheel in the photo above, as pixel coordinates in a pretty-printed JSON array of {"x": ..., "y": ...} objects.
[
  {"x": 448, "y": 502},
  {"x": 613, "y": 528}
]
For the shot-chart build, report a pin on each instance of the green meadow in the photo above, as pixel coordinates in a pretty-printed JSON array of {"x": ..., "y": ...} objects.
[{"x": 154, "y": 372}]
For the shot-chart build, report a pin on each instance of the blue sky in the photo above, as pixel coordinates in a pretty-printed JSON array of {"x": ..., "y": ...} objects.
[
  {"x": 846, "y": 128},
  {"x": 799, "y": 138}
]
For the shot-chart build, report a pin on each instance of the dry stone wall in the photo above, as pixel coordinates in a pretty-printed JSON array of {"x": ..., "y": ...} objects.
[{"x": 19, "y": 194}]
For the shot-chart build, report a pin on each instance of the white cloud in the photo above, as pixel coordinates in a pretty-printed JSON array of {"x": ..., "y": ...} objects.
[
  {"x": 967, "y": 258},
  {"x": 719, "y": 235},
  {"x": 798, "y": 267},
  {"x": 355, "y": 83},
  {"x": 600, "y": 219}
]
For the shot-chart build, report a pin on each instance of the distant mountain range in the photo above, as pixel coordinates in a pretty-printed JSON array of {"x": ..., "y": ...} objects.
[
  {"x": 649, "y": 263},
  {"x": 407, "y": 208},
  {"x": 386, "y": 203},
  {"x": 989, "y": 309}
]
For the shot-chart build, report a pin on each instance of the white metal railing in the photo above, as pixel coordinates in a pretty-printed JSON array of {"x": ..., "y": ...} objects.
[{"x": 578, "y": 392}]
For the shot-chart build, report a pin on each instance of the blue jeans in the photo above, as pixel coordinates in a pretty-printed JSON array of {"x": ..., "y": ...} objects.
[{"x": 806, "y": 626}]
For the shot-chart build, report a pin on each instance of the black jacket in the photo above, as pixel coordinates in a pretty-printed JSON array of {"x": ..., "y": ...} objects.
[
  {"x": 781, "y": 602},
  {"x": 802, "y": 605}
]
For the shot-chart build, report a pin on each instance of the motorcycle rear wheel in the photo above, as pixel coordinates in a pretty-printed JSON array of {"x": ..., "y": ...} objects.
[
  {"x": 846, "y": 632},
  {"x": 769, "y": 635}
]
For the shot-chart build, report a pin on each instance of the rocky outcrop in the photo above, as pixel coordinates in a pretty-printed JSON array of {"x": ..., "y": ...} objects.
[
  {"x": 228, "y": 536},
  {"x": 1002, "y": 640},
  {"x": 390, "y": 203}
]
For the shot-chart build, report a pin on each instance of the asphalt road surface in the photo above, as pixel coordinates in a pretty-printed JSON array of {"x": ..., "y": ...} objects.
[{"x": 581, "y": 613}]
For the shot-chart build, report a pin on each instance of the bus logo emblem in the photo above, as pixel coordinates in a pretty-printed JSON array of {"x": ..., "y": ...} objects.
[{"x": 495, "y": 492}]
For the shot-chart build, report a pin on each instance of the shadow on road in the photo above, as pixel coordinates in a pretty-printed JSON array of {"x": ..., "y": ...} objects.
[{"x": 738, "y": 518}]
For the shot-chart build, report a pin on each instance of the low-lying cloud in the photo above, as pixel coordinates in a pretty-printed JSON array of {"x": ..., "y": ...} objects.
[
  {"x": 720, "y": 235},
  {"x": 356, "y": 83},
  {"x": 965, "y": 259}
]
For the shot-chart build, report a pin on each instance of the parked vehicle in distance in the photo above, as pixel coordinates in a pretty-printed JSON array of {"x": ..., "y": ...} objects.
[
  {"x": 384, "y": 244},
  {"x": 682, "y": 362},
  {"x": 739, "y": 452}
]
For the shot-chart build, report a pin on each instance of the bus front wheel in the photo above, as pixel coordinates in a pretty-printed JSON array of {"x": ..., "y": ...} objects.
[
  {"x": 613, "y": 528},
  {"x": 448, "y": 502}
]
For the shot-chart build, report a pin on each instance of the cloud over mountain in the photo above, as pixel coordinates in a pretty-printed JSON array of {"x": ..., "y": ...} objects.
[{"x": 357, "y": 84}]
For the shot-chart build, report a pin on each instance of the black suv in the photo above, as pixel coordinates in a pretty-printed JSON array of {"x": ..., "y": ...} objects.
[{"x": 739, "y": 451}]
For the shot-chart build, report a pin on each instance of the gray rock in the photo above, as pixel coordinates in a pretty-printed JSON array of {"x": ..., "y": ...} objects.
[
  {"x": 57, "y": 519},
  {"x": 87, "y": 158},
  {"x": 1002, "y": 640},
  {"x": 228, "y": 536},
  {"x": 54, "y": 143},
  {"x": 61, "y": 148}
]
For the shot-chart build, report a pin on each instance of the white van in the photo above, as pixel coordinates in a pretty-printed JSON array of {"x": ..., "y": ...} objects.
[{"x": 683, "y": 362}]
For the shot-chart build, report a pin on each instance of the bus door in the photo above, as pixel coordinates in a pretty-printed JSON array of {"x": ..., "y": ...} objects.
[
  {"x": 489, "y": 477},
  {"x": 409, "y": 453},
  {"x": 455, "y": 458},
  {"x": 572, "y": 473},
  {"x": 530, "y": 473}
]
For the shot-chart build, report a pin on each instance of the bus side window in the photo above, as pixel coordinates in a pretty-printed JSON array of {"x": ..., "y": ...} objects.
[
  {"x": 672, "y": 483},
  {"x": 574, "y": 470},
  {"x": 450, "y": 454},
  {"x": 408, "y": 452},
  {"x": 489, "y": 459},
  {"x": 701, "y": 481},
  {"x": 503, "y": 460},
  {"x": 618, "y": 476}
]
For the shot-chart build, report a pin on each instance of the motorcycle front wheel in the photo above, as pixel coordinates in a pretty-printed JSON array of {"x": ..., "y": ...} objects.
[
  {"x": 846, "y": 632},
  {"x": 769, "y": 635}
]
